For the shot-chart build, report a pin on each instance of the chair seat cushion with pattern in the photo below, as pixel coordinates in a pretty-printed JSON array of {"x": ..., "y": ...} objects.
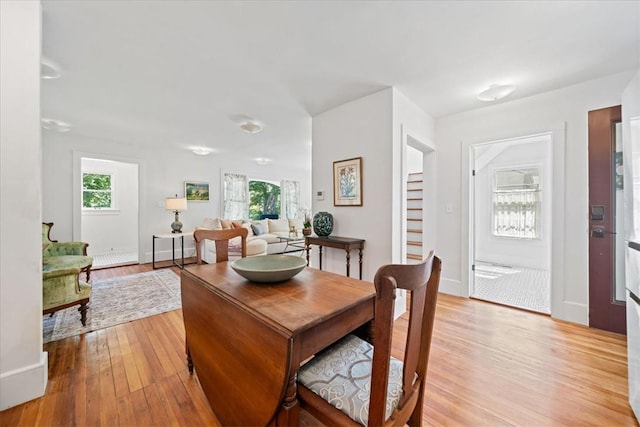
[{"x": 341, "y": 375}]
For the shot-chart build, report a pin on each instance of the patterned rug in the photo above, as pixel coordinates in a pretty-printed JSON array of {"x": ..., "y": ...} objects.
[{"x": 117, "y": 300}]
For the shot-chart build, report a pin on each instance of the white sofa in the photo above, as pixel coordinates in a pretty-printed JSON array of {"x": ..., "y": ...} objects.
[{"x": 261, "y": 240}]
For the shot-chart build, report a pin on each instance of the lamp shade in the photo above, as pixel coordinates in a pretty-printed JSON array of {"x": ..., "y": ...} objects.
[{"x": 175, "y": 204}]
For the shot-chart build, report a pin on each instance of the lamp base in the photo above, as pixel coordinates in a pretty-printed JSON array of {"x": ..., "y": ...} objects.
[{"x": 176, "y": 226}]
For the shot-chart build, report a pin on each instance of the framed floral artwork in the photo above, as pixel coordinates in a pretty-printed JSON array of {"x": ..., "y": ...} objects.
[{"x": 347, "y": 182}]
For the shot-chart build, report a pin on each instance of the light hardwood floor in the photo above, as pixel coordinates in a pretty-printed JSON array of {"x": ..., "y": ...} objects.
[{"x": 490, "y": 365}]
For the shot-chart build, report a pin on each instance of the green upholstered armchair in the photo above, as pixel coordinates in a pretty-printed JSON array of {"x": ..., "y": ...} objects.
[
  {"x": 62, "y": 288},
  {"x": 56, "y": 255}
]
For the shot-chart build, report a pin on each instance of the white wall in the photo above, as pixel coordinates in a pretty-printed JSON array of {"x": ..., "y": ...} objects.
[
  {"x": 375, "y": 128},
  {"x": 361, "y": 128},
  {"x": 23, "y": 364},
  {"x": 114, "y": 230},
  {"x": 162, "y": 174},
  {"x": 533, "y": 115},
  {"x": 531, "y": 253}
]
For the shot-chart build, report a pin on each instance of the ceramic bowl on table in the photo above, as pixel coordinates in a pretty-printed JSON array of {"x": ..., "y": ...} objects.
[{"x": 269, "y": 268}]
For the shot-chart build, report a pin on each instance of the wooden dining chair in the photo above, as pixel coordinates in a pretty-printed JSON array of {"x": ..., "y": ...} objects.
[
  {"x": 356, "y": 383},
  {"x": 221, "y": 239}
]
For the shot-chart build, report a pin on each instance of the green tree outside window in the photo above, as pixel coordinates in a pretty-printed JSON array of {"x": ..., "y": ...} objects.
[
  {"x": 96, "y": 191},
  {"x": 264, "y": 198}
]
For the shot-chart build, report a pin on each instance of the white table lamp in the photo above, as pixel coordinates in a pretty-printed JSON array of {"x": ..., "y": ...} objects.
[{"x": 176, "y": 204}]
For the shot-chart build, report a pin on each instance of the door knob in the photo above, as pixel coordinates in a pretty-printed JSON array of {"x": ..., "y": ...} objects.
[{"x": 599, "y": 231}]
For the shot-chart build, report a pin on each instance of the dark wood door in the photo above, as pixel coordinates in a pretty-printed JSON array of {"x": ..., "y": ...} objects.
[{"x": 605, "y": 312}]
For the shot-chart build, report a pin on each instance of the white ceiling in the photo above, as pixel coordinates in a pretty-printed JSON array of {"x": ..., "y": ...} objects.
[{"x": 168, "y": 73}]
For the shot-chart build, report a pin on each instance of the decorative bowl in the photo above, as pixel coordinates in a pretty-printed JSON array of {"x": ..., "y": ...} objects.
[{"x": 269, "y": 268}]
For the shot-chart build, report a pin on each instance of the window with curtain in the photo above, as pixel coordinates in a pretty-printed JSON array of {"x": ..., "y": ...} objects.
[
  {"x": 516, "y": 203},
  {"x": 290, "y": 192},
  {"x": 236, "y": 196}
]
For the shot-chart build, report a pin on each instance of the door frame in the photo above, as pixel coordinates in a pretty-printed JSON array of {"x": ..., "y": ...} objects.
[
  {"x": 559, "y": 308},
  {"x": 77, "y": 190}
]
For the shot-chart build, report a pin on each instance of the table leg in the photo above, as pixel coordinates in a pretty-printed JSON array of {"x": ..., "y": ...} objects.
[
  {"x": 153, "y": 253},
  {"x": 348, "y": 261},
  {"x": 182, "y": 250},
  {"x": 360, "y": 261},
  {"x": 289, "y": 413},
  {"x": 320, "y": 255},
  {"x": 308, "y": 250}
]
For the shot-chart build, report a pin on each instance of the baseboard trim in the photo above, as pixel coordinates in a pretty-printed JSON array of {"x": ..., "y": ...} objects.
[
  {"x": 574, "y": 312},
  {"x": 24, "y": 384},
  {"x": 451, "y": 287}
]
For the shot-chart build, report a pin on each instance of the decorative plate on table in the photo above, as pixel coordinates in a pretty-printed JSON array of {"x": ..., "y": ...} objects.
[{"x": 269, "y": 268}]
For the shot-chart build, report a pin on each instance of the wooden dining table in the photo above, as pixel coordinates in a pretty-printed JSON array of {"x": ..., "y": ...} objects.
[{"x": 247, "y": 340}]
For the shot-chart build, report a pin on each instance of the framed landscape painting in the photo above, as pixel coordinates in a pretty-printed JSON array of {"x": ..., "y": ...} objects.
[
  {"x": 347, "y": 182},
  {"x": 196, "y": 191}
]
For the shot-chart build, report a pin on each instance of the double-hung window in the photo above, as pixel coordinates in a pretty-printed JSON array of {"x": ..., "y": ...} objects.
[
  {"x": 97, "y": 191},
  {"x": 516, "y": 203}
]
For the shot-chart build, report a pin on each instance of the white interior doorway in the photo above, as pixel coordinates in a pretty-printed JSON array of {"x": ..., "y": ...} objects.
[
  {"x": 511, "y": 222},
  {"x": 109, "y": 211}
]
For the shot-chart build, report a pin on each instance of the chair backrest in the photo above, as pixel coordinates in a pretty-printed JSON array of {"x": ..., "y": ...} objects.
[
  {"x": 46, "y": 230},
  {"x": 422, "y": 281},
  {"x": 221, "y": 239}
]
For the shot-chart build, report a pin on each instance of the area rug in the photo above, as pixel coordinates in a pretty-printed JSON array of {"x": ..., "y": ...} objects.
[{"x": 117, "y": 300}]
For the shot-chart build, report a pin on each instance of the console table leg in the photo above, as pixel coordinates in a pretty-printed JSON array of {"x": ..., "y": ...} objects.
[
  {"x": 308, "y": 250},
  {"x": 348, "y": 262},
  {"x": 320, "y": 255},
  {"x": 360, "y": 261}
]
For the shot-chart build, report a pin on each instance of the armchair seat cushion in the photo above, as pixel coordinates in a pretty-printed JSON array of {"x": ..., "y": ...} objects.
[
  {"x": 341, "y": 375},
  {"x": 50, "y": 263}
]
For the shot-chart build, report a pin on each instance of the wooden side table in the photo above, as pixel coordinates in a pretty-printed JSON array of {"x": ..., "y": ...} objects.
[{"x": 346, "y": 243}]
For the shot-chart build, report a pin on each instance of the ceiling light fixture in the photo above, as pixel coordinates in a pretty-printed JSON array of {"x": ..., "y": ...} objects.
[
  {"x": 55, "y": 125},
  {"x": 251, "y": 127},
  {"x": 263, "y": 161},
  {"x": 201, "y": 151},
  {"x": 495, "y": 92},
  {"x": 49, "y": 69}
]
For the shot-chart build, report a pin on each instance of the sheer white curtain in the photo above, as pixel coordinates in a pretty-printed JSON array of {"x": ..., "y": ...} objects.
[
  {"x": 290, "y": 199},
  {"x": 516, "y": 214},
  {"x": 236, "y": 196}
]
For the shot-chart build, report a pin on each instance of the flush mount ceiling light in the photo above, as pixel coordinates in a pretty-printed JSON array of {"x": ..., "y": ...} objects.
[
  {"x": 495, "y": 92},
  {"x": 247, "y": 123},
  {"x": 263, "y": 161},
  {"x": 201, "y": 151},
  {"x": 49, "y": 69},
  {"x": 251, "y": 127},
  {"x": 55, "y": 125}
]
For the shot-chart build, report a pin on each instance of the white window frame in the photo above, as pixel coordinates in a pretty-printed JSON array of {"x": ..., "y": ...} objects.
[{"x": 112, "y": 190}]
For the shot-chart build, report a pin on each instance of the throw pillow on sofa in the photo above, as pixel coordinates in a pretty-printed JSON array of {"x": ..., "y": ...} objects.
[
  {"x": 258, "y": 229},
  {"x": 278, "y": 225}
]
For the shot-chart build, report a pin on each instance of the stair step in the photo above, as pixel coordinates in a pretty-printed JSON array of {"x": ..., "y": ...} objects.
[
  {"x": 414, "y": 209},
  {"x": 414, "y": 180},
  {"x": 414, "y": 189},
  {"x": 412, "y": 256},
  {"x": 414, "y": 219},
  {"x": 414, "y": 198},
  {"x": 413, "y": 243},
  {"x": 414, "y": 230}
]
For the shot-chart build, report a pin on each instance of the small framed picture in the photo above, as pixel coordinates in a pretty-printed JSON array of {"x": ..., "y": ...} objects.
[
  {"x": 347, "y": 182},
  {"x": 196, "y": 191}
]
